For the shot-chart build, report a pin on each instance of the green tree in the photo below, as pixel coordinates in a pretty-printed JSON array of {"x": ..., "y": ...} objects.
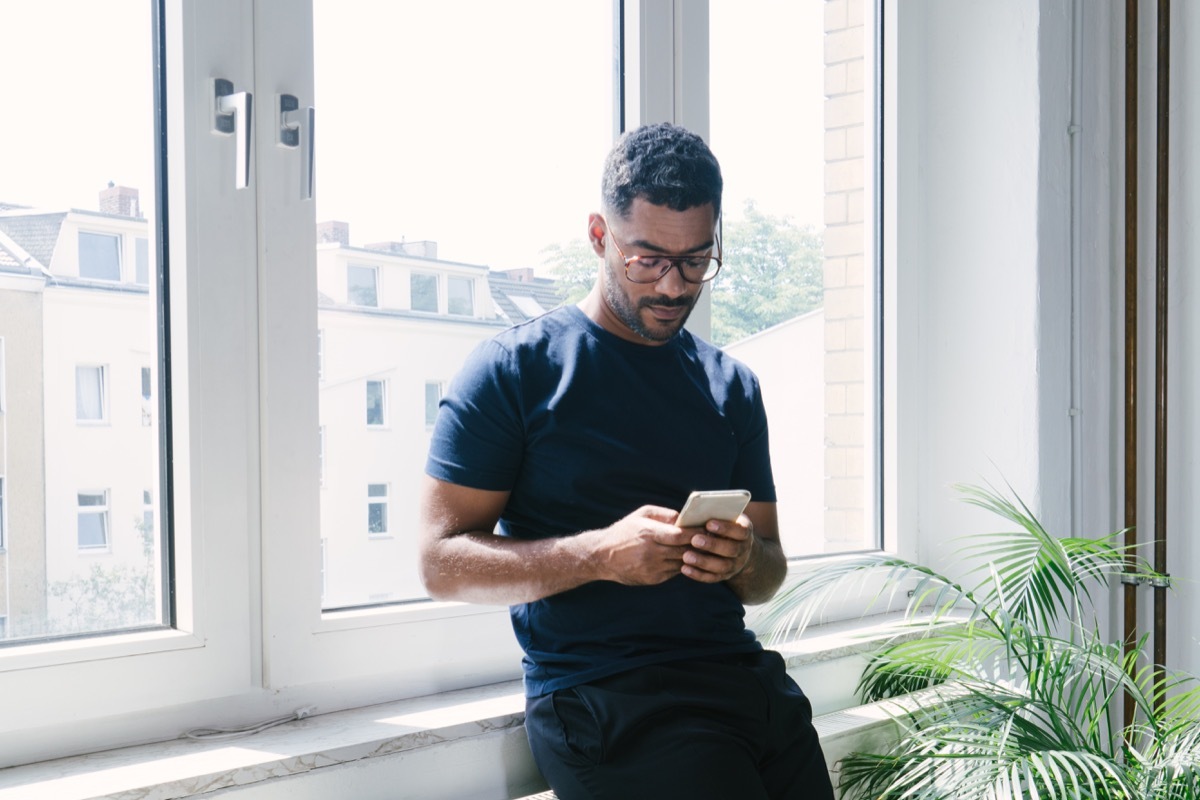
[
  {"x": 773, "y": 271},
  {"x": 109, "y": 597},
  {"x": 573, "y": 266}
]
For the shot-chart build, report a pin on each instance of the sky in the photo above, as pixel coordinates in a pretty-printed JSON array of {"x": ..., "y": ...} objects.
[{"x": 433, "y": 122}]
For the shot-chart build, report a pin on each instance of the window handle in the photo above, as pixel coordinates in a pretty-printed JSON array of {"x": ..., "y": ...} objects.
[
  {"x": 233, "y": 116},
  {"x": 292, "y": 120}
]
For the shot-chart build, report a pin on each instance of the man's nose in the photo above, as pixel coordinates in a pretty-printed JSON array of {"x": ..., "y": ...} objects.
[{"x": 672, "y": 283}]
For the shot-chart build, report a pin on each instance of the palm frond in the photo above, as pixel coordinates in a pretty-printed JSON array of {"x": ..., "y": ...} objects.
[
  {"x": 1014, "y": 701},
  {"x": 1033, "y": 576},
  {"x": 882, "y": 578}
]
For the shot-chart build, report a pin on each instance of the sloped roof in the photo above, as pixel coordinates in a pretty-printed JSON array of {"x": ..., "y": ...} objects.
[
  {"x": 9, "y": 262},
  {"x": 36, "y": 233},
  {"x": 503, "y": 288}
]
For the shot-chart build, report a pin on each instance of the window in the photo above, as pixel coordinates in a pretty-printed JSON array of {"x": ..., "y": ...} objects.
[
  {"x": 90, "y": 394},
  {"x": 424, "y": 292},
  {"x": 147, "y": 526},
  {"x": 246, "y": 399},
  {"x": 142, "y": 259},
  {"x": 361, "y": 286},
  {"x": 460, "y": 296},
  {"x": 92, "y": 530},
  {"x": 377, "y": 509},
  {"x": 797, "y": 234},
  {"x": 376, "y": 403},
  {"x": 320, "y": 354},
  {"x": 433, "y": 395},
  {"x": 526, "y": 304},
  {"x": 99, "y": 256}
]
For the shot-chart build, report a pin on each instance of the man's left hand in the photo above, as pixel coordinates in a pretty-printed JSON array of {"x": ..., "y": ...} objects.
[{"x": 720, "y": 550}]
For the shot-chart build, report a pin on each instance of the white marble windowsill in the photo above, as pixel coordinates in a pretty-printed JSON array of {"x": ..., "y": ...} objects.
[{"x": 183, "y": 768}]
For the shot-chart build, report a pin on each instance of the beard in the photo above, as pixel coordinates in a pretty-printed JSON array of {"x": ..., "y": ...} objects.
[{"x": 630, "y": 313}]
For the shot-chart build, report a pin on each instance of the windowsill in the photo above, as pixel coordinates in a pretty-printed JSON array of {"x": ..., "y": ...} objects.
[{"x": 491, "y": 717}]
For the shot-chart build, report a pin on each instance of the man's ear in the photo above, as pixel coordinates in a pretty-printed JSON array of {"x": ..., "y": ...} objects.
[{"x": 597, "y": 230}]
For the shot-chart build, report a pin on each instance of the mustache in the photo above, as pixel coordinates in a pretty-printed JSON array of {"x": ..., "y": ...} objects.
[{"x": 670, "y": 302}]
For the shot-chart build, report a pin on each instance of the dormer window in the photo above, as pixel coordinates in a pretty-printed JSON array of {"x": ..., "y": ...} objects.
[
  {"x": 362, "y": 286},
  {"x": 99, "y": 256},
  {"x": 424, "y": 292},
  {"x": 460, "y": 296}
]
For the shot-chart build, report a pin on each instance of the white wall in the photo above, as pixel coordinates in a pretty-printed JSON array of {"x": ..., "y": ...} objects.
[
  {"x": 988, "y": 253},
  {"x": 969, "y": 242},
  {"x": 789, "y": 360}
]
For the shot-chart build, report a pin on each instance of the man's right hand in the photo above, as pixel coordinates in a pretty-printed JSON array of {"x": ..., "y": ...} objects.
[
  {"x": 640, "y": 549},
  {"x": 463, "y": 559}
]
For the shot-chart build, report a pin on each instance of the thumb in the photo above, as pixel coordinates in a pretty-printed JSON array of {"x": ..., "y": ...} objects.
[{"x": 659, "y": 513}]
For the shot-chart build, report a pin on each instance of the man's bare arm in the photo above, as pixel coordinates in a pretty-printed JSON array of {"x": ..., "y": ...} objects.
[
  {"x": 746, "y": 554},
  {"x": 463, "y": 559}
]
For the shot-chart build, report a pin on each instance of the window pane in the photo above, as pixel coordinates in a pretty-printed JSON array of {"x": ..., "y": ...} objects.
[
  {"x": 361, "y": 289},
  {"x": 89, "y": 393},
  {"x": 460, "y": 296},
  {"x": 143, "y": 261},
  {"x": 445, "y": 187},
  {"x": 792, "y": 299},
  {"x": 377, "y": 509},
  {"x": 375, "y": 403},
  {"x": 99, "y": 256},
  {"x": 92, "y": 529},
  {"x": 78, "y": 319},
  {"x": 424, "y": 293},
  {"x": 433, "y": 395}
]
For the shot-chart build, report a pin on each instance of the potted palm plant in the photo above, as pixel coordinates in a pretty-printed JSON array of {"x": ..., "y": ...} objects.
[{"x": 1011, "y": 690}]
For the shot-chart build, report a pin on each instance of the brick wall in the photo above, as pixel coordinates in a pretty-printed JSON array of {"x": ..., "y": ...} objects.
[{"x": 845, "y": 262}]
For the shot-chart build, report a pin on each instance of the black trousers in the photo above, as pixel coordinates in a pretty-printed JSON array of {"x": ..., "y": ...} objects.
[{"x": 735, "y": 728}]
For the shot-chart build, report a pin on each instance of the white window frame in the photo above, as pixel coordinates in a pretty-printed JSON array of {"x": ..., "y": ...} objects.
[
  {"x": 103, "y": 510},
  {"x": 102, "y": 384},
  {"x": 3, "y": 517},
  {"x": 320, "y": 355},
  {"x": 321, "y": 467},
  {"x": 2, "y": 374},
  {"x": 470, "y": 283},
  {"x": 441, "y": 392},
  {"x": 149, "y": 518},
  {"x": 383, "y": 403},
  {"x": 374, "y": 272},
  {"x": 380, "y": 500},
  {"x": 120, "y": 246},
  {"x": 141, "y": 259},
  {"x": 244, "y": 516},
  {"x": 437, "y": 292}
]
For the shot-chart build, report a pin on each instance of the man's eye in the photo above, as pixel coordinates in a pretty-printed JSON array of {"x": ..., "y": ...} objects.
[
  {"x": 695, "y": 263},
  {"x": 653, "y": 263}
]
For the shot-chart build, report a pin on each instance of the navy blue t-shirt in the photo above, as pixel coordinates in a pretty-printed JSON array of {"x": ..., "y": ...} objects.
[{"x": 583, "y": 427}]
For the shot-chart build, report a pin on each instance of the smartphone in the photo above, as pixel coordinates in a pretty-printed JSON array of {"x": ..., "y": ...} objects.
[{"x": 703, "y": 506}]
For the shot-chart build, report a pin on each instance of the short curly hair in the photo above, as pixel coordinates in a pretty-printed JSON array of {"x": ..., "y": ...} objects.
[{"x": 666, "y": 165}]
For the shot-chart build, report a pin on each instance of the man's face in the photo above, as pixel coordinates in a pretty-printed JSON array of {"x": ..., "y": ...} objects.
[{"x": 650, "y": 313}]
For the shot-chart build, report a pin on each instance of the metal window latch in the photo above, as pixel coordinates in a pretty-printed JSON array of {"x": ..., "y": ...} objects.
[
  {"x": 232, "y": 113},
  {"x": 293, "y": 122},
  {"x": 1157, "y": 581}
]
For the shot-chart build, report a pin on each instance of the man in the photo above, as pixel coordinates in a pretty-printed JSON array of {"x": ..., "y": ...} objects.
[{"x": 581, "y": 433}]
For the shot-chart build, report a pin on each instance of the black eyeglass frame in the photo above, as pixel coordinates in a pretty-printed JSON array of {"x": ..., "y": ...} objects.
[{"x": 672, "y": 261}]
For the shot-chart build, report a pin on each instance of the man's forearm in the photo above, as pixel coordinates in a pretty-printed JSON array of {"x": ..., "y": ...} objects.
[
  {"x": 479, "y": 567},
  {"x": 763, "y": 574}
]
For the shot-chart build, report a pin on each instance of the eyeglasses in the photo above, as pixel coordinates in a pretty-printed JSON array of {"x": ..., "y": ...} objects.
[{"x": 651, "y": 269}]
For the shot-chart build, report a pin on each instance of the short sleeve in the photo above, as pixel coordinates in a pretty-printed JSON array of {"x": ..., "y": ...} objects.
[
  {"x": 478, "y": 437},
  {"x": 753, "y": 467}
]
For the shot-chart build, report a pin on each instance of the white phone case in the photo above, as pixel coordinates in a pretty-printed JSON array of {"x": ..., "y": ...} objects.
[{"x": 703, "y": 506}]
